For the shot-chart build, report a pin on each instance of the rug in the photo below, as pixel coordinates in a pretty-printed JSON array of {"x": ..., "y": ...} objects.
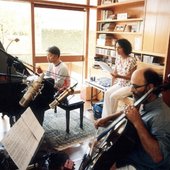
[{"x": 55, "y": 129}]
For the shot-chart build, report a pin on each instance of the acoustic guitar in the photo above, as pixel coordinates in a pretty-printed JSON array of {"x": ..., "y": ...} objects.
[{"x": 118, "y": 140}]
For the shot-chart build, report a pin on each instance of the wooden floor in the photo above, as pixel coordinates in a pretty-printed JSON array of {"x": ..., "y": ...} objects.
[{"x": 75, "y": 153}]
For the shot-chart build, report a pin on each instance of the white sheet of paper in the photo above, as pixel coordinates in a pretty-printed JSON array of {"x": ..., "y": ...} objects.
[
  {"x": 105, "y": 66},
  {"x": 33, "y": 124},
  {"x": 23, "y": 138}
]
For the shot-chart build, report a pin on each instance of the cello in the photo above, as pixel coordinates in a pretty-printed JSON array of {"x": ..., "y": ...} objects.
[{"x": 118, "y": 140}]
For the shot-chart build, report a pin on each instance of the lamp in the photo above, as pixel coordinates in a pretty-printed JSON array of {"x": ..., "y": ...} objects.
[{"x": 16, "y": 40}]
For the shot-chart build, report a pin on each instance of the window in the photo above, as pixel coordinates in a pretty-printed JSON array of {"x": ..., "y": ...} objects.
[
  {"x": 72, "y": 1},
  {"x": 63, "y": 28},
  {"x": 14, "y": 26},
  {"x": 53, "y": 25},
  {"x": 92, "y": 2}
]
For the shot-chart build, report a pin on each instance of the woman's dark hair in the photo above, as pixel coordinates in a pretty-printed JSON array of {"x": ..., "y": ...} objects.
[
  {"x": 54, "y": 50},
  {"x": 153, "y": 77},
  {"x": 126, "y": 45}
]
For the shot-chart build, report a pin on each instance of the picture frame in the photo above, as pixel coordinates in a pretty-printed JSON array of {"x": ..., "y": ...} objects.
[{"x": 120, "y": 27}]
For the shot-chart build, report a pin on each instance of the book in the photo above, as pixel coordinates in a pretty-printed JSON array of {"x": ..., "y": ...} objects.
[{"x": 105, "y": 66}]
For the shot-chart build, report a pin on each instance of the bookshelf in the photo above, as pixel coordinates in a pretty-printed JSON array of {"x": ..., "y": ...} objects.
[
  {"x": 151, "y": 60},
  {"x": 145, "y": 23},
  {"x": 142, "y": 22},
  {"x": 118, "y": 19}
]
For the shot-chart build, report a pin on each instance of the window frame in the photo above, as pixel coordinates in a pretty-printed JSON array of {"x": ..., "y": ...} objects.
[{"x": 66, "y": 6}]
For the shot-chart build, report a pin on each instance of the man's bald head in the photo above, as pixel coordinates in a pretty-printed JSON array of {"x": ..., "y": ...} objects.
[
  {"x": 146, "y": 76},
  {"x": 143, "y": 80},
  {"x": 138, "y": 77}
]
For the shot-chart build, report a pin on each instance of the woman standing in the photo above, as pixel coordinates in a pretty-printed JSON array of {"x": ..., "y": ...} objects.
[{"x": 124, "y": 67}]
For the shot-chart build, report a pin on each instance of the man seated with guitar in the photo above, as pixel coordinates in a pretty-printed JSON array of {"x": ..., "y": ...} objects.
[{"x": 152, "y": 123}]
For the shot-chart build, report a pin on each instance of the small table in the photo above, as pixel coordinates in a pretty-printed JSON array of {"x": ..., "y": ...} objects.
[{"x": 98, "y": 85}]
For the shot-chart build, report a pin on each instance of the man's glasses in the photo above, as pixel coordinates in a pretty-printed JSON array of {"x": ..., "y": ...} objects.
[{"x": 134, "y": 86}]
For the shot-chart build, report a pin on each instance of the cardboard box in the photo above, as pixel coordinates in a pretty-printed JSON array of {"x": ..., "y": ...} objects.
[
  {"x": 85, "y": 93},
  {"x": 100, "y": 95}
]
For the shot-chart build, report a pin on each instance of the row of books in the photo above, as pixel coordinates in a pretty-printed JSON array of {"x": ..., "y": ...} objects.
[
  {"x": 131, "y": 27},
  {"x": 107, "y": 26},
  {"x": 107, "y": 52},
  {"x": 148, "y": 59},
  {"x": 109, "y": 40},
  {"x": 110, "y": 15},
  {"x": 107, "y": 1},
  {"x": 105, "y": 40},
  {"x": 111, "y": 1},
  {"x": 107, "y": 14}
]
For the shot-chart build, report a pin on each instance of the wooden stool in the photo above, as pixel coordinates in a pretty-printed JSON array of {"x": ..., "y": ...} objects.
[{"x": 72, "y": 104}]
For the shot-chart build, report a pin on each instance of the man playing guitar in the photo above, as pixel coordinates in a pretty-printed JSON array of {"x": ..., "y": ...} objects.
[{"x": 152, "y": 123}]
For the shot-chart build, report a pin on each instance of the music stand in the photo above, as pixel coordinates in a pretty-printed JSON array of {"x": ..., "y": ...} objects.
[{"x": 23, "y": 140}]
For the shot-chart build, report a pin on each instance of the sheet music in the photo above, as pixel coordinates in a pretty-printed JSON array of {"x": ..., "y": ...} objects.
[
  {"x": 105, "y": 66},
  {"x": 23, "y": 139},
  {"x": 33, "y": 124}
]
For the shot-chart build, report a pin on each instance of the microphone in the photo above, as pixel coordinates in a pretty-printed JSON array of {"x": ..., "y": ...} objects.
[
  {"x": 16, "y": 40},
  {"x": 32, "y": 91},
  {"x": 61, "y": 97}
]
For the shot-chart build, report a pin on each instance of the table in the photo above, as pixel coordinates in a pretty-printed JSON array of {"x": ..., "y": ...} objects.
[{"x": 101, "y": 84}]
